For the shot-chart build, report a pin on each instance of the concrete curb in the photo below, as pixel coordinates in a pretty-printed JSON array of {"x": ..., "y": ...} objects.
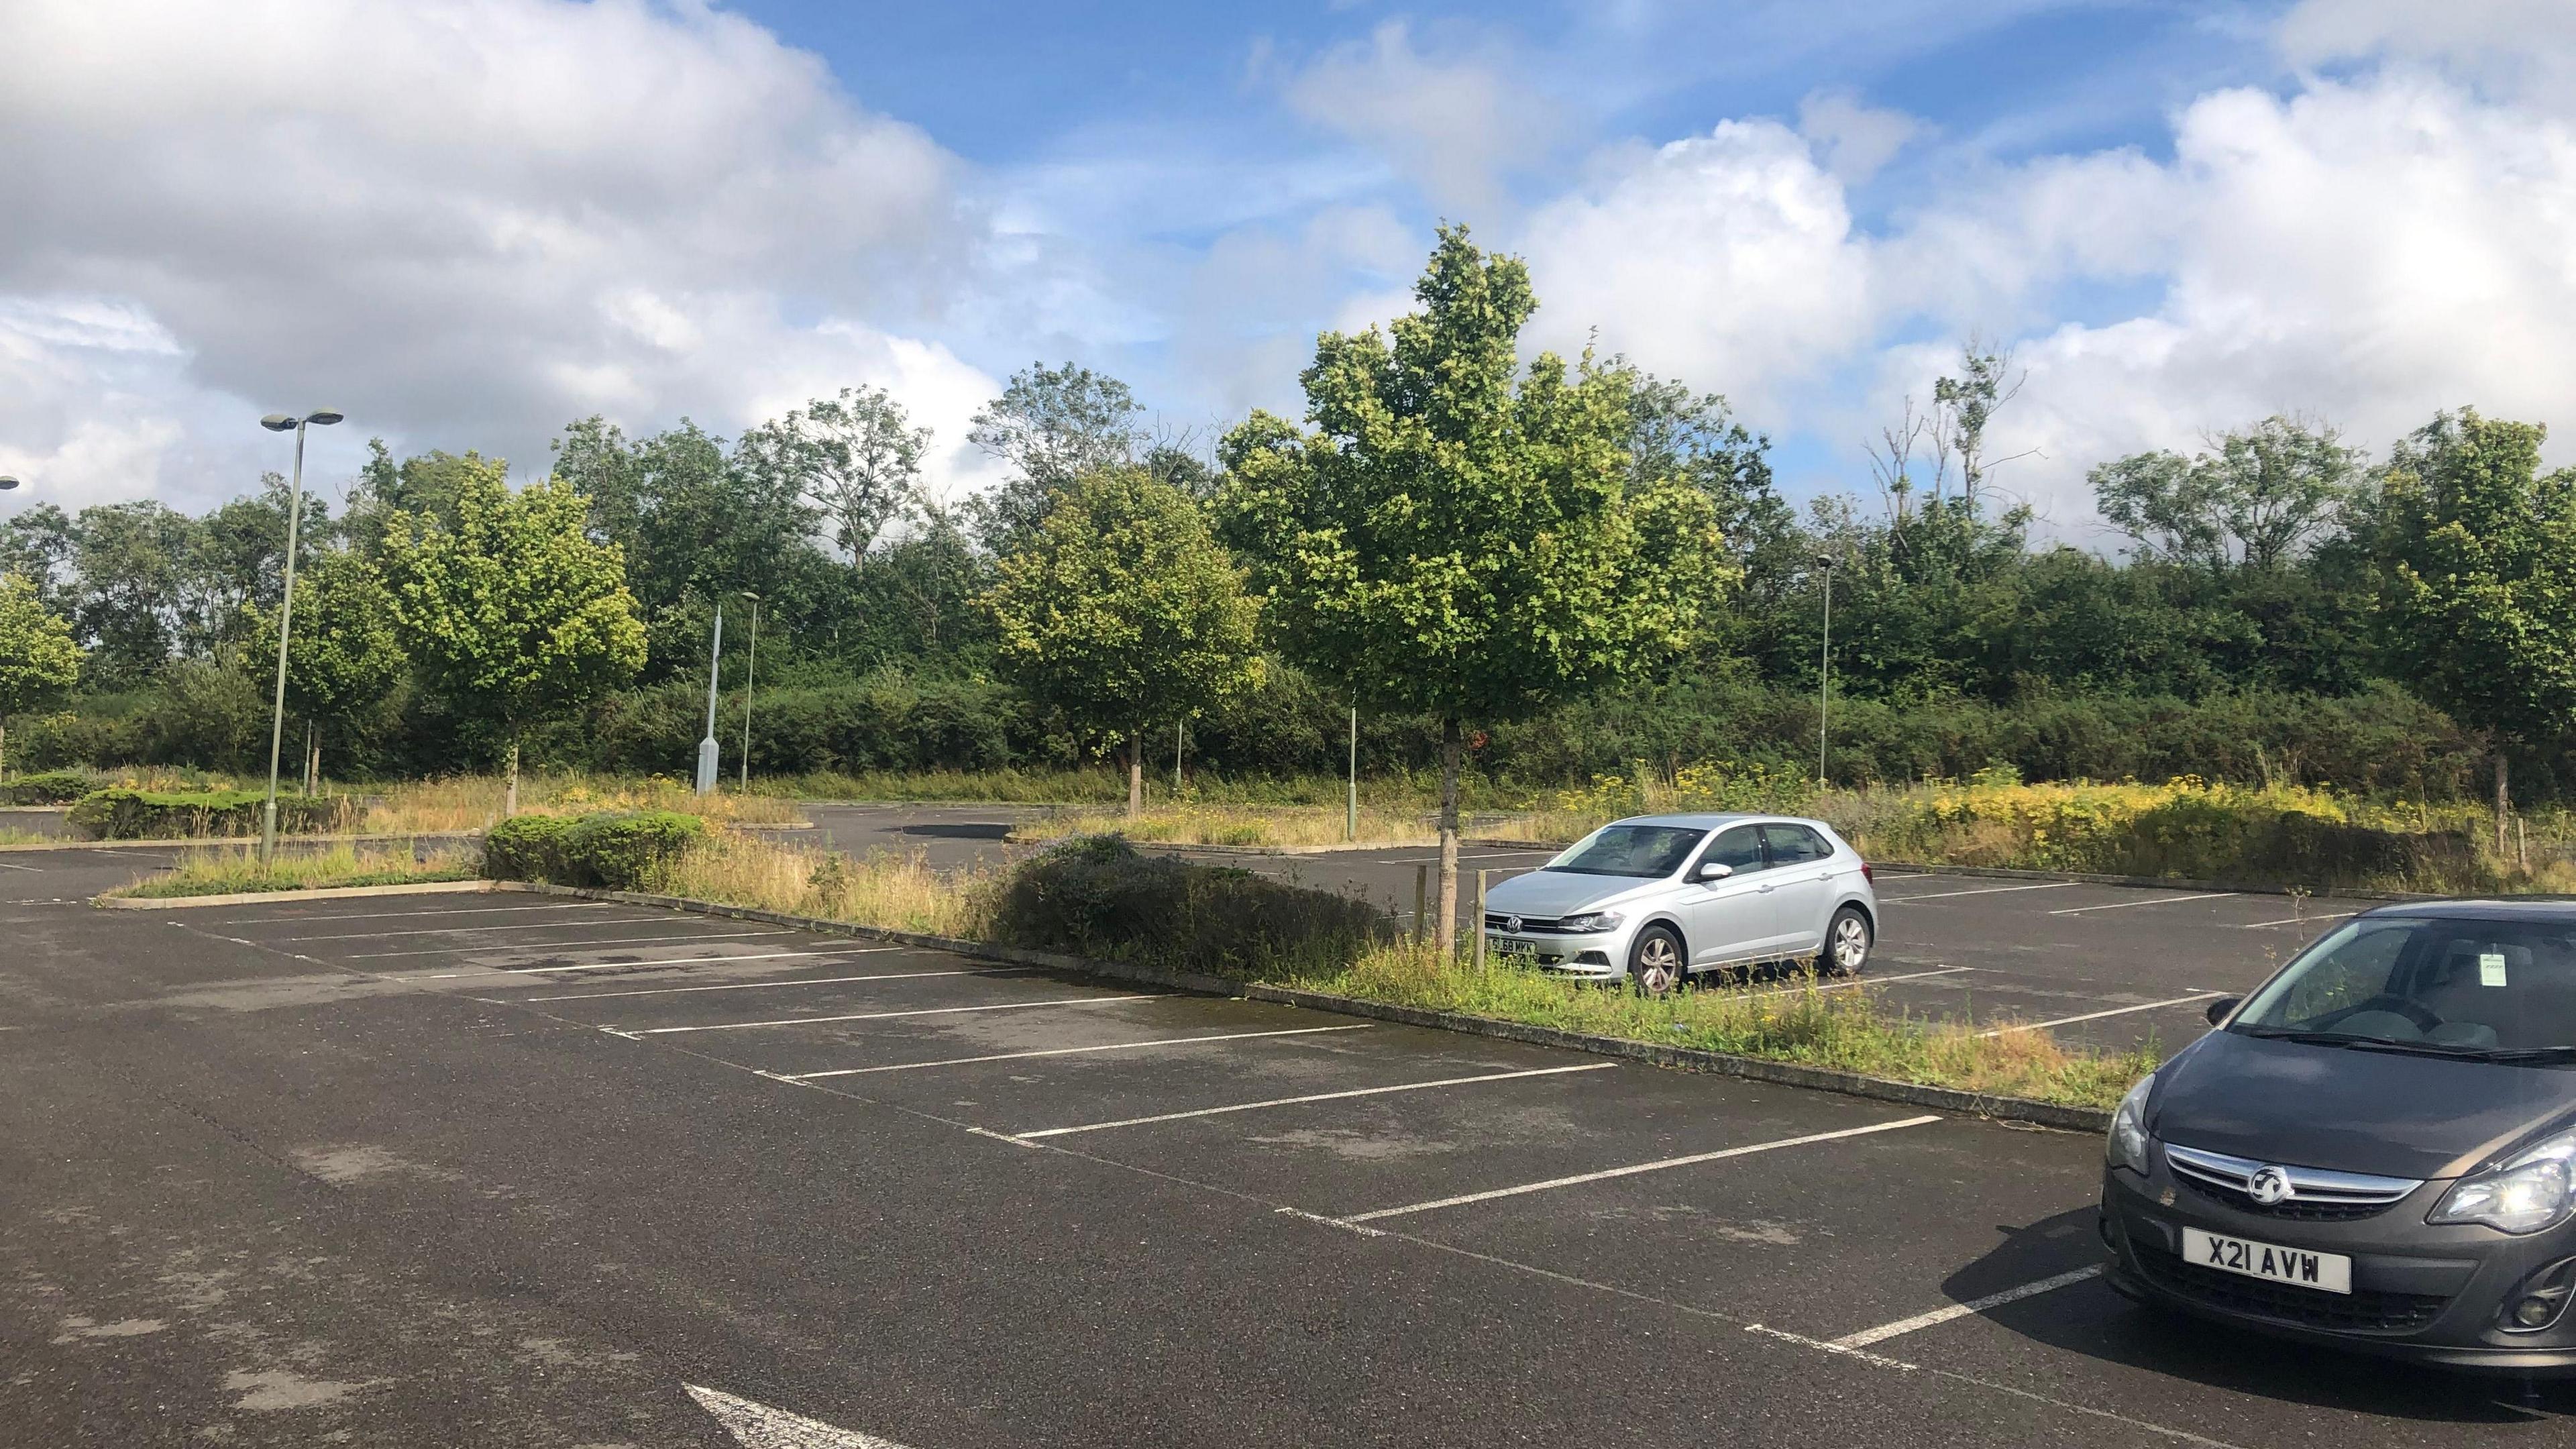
[
  {"x": 1852, "y": 1084},
  {"x": 1194, "y": 847},
  {"x": 319, "y": 893},
  {"x": 245, "y": 840}
]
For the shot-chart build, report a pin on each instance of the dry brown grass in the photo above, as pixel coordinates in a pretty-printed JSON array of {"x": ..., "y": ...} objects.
[
  {"x": 473, "y": 802},
  {"x": 235, "y": 869},
  {"x": 898, "y": 892}
]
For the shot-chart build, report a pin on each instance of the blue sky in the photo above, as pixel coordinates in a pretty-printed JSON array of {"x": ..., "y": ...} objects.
[{"x": 468, "y": 222}]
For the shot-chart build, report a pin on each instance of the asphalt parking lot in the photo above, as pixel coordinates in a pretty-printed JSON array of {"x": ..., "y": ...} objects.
[
  {"x": 2111, "y": 965},
  {"x": 510, "y": 1170}
]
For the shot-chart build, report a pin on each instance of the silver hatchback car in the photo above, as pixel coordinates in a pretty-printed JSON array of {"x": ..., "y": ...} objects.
[{"x": 1657, "y": 897}]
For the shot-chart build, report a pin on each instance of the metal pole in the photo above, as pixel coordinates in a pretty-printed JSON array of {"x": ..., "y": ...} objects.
[
  {"x": 707, "y": 748},
  {"x": 1176, "y": 762},
  {"x": 1825, "y": 676},
  {"x": 1421, "y": 922},
  {"x": 750, "y": 663},
  {"x": 285, "y": 620},
  {"x": 1480, "y": 922},
  {"x": 1351, "y": 811}
]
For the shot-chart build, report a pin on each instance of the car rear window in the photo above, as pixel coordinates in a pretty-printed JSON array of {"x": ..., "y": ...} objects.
[
  {"x": 1638, "y": 850},
  {"x": 2461, "y": 983}
]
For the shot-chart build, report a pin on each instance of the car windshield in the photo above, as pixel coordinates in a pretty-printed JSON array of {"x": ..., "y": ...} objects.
[
  {"x": 2455, "y": 985},
  {"x": 1638, "y": 850}
]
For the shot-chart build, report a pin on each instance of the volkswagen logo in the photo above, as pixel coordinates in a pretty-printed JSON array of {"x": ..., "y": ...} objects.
[
  {"x": 2269, "y": 1186},
  {"x": 1512, "y": 924}
]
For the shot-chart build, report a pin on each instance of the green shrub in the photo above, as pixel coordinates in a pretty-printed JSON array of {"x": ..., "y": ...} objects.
[
  {"x": 528, "y": 847},
  {"x": 621, "y": 851},
  {"x": 1096, "y": 896},
  {"x": 122, "y": 814},
  {"x": 55, "y": 787},
  {"x": 625, "y": 852}
]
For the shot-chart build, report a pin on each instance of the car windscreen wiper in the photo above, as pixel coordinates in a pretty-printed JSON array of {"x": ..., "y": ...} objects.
[
  {"x": 2527, "y": 1054},
  {"x": 2306, "y": 1038}
]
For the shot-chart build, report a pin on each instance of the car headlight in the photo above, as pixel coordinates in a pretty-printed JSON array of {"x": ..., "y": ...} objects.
[
  {"x": 2530, "y": 1193},
  {"x": 2127, "y": 1145},
  {"x": 1597, "y": 921}
]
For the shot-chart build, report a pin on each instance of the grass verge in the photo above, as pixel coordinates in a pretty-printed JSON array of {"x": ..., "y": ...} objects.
[
  {"x": 1094, "y": 897},
  {"x": 473, "y": 802},
  {"x": 237, "y": 870}
]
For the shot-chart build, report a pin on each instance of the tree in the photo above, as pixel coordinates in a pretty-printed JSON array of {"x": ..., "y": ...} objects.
[
  {"x": 1458, "y": 537},
  {"x": 1051, "y": 425},
  {"x": 2261, "y": 499},
  {"x": 343, "y": 654},
  {"x": 38, "y": 659},
  {"x": 1123, "y": 614},
  {"x": 857, "y": 458},
  {"x": 513, "y": 612},
  {"x": 2478, "y": 551}
]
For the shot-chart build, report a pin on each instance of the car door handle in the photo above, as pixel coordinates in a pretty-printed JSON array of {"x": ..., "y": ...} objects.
[
  {"x": 1824, "y": 875},
  {"x": 1765, "y": 889}
]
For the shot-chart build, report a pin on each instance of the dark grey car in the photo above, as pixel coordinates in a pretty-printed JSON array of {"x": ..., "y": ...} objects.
[{"x": 2376, "y": 1150}]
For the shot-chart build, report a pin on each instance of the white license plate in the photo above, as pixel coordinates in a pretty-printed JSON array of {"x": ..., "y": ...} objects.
[
  {"x": 2325, "y": 1272},
  {"x": 1506, "y": 946}
]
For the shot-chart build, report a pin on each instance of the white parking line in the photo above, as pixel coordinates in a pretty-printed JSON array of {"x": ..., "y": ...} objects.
[
  {"x": 618, "y": 941},
  {"x": 776, "y": 986},
  {"x": 1664, "y": 1165},
  {"x": 2319, "y": 917},
  {"x": 885, "y": 1015},
  {"x": 324, "y": 916},
  {"x": 2158, "y": 901},
  {"x": 1123, "y": 1046},
  {"x": 1980, "y": 891},
  {"x": 31, "y": 869},
  {"x": 489, "y": 971},
  {"x": 463, "y": 930},
  {"x": 2098, "y": 1015},
  {"x": 1903, "y": 1326},
  {"x": 1313, "y": 1097}
]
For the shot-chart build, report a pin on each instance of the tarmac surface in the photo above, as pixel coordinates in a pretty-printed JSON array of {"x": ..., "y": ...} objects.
[{"x": 507, "y": 1170}]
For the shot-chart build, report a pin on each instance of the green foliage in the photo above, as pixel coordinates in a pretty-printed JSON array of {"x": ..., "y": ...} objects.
[
  {"x": 2480, "y": 557},
  {"x": 616, "y": 850},
  {"x": 1051, "y": 425},
  {"x": 1455, "y": 537},
  {"x": 513, "y": 613},
  {"x": 1121, "y": 614},
  {"x": 38, "y": 660},
  {"x": 2266, "y": 493},
  {"x": 343, "y": 655},
  {"x": 54, "y": 787},
  {"x": 1097, "y": 896},
  {"x": 127, "y": 814},
  {"x": 855, "y": 458}
]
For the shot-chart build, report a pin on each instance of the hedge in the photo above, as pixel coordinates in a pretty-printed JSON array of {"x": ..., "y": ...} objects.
[
  {"x": 612, "y": 850},
  {"x": 1097, "y": 896},
  {"x": 54, "y": 787},
  {"x": 123, "y": 814}
]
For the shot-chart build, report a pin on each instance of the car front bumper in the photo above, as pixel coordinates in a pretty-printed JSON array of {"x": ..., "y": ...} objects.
[
  {"x": 2433, "y": 1295},
  {"x": 1599, "y": 956}
]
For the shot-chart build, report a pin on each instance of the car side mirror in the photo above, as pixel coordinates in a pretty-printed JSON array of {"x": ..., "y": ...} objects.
[
  {"x": 2220, "y": 1009},
  {"x": 1716, "y": 870}
]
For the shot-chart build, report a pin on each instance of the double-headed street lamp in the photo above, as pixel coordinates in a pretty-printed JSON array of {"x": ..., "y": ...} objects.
[
  {"x": 7, "y": 483},
  {"x": 281, "y": 423}
]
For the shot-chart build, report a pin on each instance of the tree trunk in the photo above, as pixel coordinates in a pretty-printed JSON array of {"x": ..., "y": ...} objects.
[
  {"x": 1448, "y": 936},
  {"x": 313, "y": 767},
  {"x": 2504, "y": 799},
  {"x": 309, "y": 756},
  {"x": 4, "y": 751},
  {"x": 510, "y": 796},
  {"x": 1135, "y": 773}
]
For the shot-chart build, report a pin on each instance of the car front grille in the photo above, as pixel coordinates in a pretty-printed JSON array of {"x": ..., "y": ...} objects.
[
  {"x": 2314, "y": 1195},
  {"x": 1529, "y": 926},
  {"x": 2361, "y": 1311}
]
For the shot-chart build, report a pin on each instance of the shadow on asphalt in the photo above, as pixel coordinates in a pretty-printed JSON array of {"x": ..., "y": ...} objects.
[
  {"x": 2093, "y": 1321},
  {"x": 959, "y": 831}
]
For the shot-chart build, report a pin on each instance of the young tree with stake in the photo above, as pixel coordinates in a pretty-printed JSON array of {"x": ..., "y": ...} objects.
[
  {"x": 513, "y": 613},
  {"x": 1123, "y": 614},
  {"x": 343, "y": 655},
  {"x": 38, "y": 659},
  {"x": 1461, "y": 536}
]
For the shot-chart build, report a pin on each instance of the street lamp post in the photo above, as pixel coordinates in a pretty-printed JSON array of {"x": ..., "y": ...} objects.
[
  {"x": 707, "y": 750},
  {"x": 7, "y": 484},
  {"x": 1824, "y": 667},
  {"x": 750, "y": 663},
  {"x": 279, "y": 423}
]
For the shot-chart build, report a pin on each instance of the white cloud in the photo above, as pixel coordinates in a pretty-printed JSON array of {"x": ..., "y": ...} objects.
[
  {"x": 2525, "y": 47},
  {"x": 1856, "y": 139},
  {"x": 1729, "y": 259},
  {"x": 1454, "y": 125},
  {"x": 462, "y": 221}
]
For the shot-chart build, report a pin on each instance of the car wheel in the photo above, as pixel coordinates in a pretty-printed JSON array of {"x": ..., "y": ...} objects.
[
  {"x": 1847, "y": 942},
  {"x": 1655, "y": 963}
]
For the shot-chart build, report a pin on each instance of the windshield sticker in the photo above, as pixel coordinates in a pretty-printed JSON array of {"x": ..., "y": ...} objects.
[{"x": 2491, "y": 968}]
